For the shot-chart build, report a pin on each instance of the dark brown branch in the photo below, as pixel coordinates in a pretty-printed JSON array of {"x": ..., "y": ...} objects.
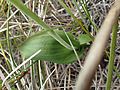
[{"x": 97, "y": 49}]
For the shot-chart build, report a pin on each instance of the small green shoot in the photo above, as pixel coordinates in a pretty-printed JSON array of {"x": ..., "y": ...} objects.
[{"x": 84, "y": 38}]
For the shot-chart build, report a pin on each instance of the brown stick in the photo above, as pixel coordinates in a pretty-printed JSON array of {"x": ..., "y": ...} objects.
[{"x": 97, "y": 49}]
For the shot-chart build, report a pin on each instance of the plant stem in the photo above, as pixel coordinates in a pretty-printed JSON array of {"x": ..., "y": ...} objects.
[
  {"x": 78, "y": 21},
  {"x": 92, "y": 59},
  {"x": 84, "y": 6},
  {"x": 112, "y": 56},
  {"x": 33, "y": 16},
  {"x": 27, "y": 11},
  {"x": 8, "y": 38}
]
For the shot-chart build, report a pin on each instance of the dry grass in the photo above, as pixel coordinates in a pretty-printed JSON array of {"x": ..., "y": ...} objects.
[{"x": 61, "y": 77}]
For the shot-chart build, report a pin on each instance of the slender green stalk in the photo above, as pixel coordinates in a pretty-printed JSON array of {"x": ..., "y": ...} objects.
[
  {"x": 84, "y": 6},
  {"x": 112, "y": 56},
  {"x": 33, "y": 16},
  {"x": 27, "y": 11},
  {"x": 18, "y": 67},
  {"x": 60, "y": 40},
  {"x": 72, "y": 45},
  {"x": 78, "y": 21},
  {"x": 8, "y": 37},
  {"x": 6, "y": 59},
  {"x": 75, "y": 3},
  {"x": 82, "y": 16}
]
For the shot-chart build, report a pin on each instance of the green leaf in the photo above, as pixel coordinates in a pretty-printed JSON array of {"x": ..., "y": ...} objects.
[
  {"x": 56, "y": 36},
  {"x": 84, "y": 38},
  {"x": 51, "y": 49},
  {"x": 32, "y": 15}
]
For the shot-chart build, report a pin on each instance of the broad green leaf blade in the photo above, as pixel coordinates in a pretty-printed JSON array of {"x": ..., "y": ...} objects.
[
  {"x": 51, "y": 49},
  {"x": 84, "y": 38},
  {"x": 29, "y": 13},
  {"x": 33, "y": 16}
]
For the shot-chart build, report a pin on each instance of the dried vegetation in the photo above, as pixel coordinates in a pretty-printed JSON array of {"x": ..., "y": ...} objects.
[{"x": 59, "y": 77}]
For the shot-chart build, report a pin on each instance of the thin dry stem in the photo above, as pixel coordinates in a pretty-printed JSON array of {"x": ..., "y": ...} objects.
[{"x": 95, "y": 54}]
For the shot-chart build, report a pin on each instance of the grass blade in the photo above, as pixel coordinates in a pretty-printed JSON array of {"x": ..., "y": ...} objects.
[
  {"x": 78, "y": 21},
  {"x": 29, "y": 13},
  {"x": 112, "y": 56},
  {"x": 21, "y": 66},
  {"x": 33, "y": 16}
]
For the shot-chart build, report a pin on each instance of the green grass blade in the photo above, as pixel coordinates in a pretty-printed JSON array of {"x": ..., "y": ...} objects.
[
  {"x": 112, "y": 56},
  {"x": 18, "y": 67},
  {"x": 61, "y": 41},
  {"x": 78, "y": 21},
  {"x": 6, "y": 59},
  {"x": 33, "y": 16},
  {"x": 29, "y": 13},
  {"x": 8, "y": 41},
  {"x": 84, "y": 6},
  {"x": 77, "y": 6}
]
